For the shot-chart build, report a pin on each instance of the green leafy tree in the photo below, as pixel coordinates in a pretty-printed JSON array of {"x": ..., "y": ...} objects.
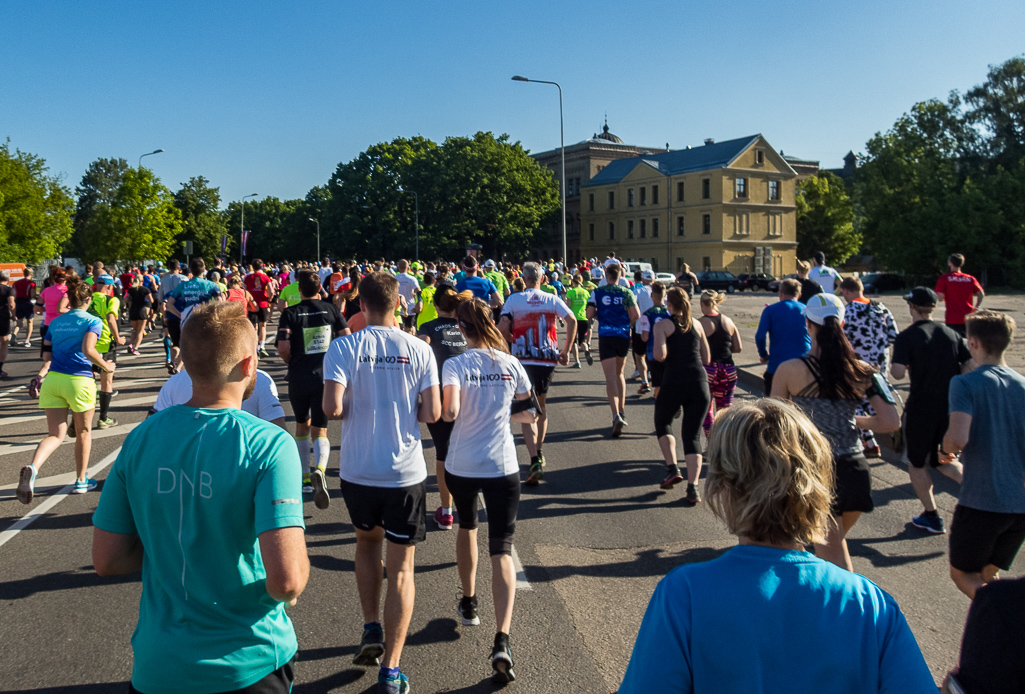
[
  {"x": 270, "y": 223},
  {"x": 95, "y": 192},
  {"x": 202, "y": 222},
  {"x": 996, "y": 111},
  {"x": 35, "y": 208},
  {"x": 825, "y": 218}
]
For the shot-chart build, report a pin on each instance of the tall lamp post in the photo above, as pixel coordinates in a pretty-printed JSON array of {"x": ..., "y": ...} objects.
[
  {"x": 156, "y": 151},
  {"x": 562, "y": 154},
  {"x": 416, "y": 202},
  {"x": 242, "y": 228},
  {"x": 317, "y": 222}
]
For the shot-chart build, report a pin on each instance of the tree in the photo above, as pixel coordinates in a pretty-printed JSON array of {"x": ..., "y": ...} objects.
[
  {"x": 97, "y": 189},
  {"x": 997, "y": 111},
  {"x": 35, "y": 208},
  {"x": 825, "y": 218},
  {"x": 202, "y": 222},
  {"x": 270, "y": 223}
]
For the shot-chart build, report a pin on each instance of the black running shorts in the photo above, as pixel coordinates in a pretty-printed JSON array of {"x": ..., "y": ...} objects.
[
  {"x": 610, "y": 347},
  {"x": 401, "y": 511},
  {"x": 502, "y": 497},
  {"x": 924, "y": 428},
  {"x": 24, "y": 309},
  {"x": 260, "y": 315},
  {"x": 5, "y": 326},
  {"x": 637, "y": 345},
  {"x": 583, "y": 331},
  {"x": 980, "y": 538},
  {"x": 540, "y": 377},
  {"x": 306, "y": 393},
  {"x": 655, "y": 370},
  {"x": 174, "y": 328},
  {"x": 853, "y": 485},
  {"x": 110, "y": 356}
]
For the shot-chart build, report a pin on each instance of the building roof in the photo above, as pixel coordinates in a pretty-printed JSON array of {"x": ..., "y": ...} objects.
[
  {"x": 606, "y": 135},
  {"x": 715, "y": 155}
]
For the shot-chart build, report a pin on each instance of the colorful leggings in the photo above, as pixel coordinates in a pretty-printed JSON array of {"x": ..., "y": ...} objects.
[{"x": 722, "y": 381}]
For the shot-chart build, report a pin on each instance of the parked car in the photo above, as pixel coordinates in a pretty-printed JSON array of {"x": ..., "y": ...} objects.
[
  {"x": 876, "y": 282},
  {"x": 754, "y": 280},
  {"x": 720, "y": 280},
  {"x": 666, "y": 278},
  {"x": 773, "y": 286}
]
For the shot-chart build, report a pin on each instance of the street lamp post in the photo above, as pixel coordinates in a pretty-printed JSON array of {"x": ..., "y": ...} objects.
[
  {"x": 156, "y": 151},
  {"x": 242, "y": 228},
  {"x": 416, "y": 202},
  {"x": 562, "y": 155},
  {"x": 317, "y": 222}
]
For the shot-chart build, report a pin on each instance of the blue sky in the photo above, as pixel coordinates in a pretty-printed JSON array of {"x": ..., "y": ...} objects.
[{"x": 269, "y": 97}]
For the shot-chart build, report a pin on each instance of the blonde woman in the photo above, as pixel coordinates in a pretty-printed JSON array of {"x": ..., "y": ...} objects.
[
  {"x": 734, "y": 624},
  {"x": 723, "y": 343}
]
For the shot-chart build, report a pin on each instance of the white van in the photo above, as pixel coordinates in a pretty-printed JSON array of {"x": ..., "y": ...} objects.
[{"x": 632, "y": 267}]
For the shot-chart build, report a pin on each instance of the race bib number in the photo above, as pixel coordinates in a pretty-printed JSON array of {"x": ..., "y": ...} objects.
[{"x": 316, "y": 340}]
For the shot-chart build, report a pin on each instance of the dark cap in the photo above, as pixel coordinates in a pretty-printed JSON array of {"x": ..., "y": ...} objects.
[
  {"x": 922, "y": 296},
  {"x": 819, "y": 257}
]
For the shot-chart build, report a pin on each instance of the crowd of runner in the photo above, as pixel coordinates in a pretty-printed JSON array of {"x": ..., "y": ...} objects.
[{"x": 466, "y": 349}]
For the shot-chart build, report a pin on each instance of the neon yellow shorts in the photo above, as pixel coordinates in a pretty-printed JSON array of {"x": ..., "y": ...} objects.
[{"x": 77, "y": 393}]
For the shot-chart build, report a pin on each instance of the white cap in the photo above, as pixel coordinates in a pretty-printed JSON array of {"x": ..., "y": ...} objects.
[
  {"x": 648, "y": 276},
  {"x": 489, "y": 263},
  {"x": 822, "y": 306},
  {"x": 597, "y": 273}
]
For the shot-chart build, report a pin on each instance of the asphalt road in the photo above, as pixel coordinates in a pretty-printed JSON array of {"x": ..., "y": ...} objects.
[{"x": 593, "y": 540}]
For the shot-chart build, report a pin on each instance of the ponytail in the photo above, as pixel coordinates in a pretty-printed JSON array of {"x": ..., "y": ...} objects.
[
  {"x": 841, "y": 371},
  {"x": 679, "y": 307},
  {"x": 476, "y": 323},
  {"x": 79, "y": 293}
]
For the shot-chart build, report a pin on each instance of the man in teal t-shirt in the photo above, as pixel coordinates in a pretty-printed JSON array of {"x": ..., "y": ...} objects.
[{"x": 216, "y": 525}]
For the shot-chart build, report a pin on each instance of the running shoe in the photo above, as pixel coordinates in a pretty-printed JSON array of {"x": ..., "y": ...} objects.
[
  {"x": 692, "y": 497},
  {"x": 618, "y": 424},
  {"x": 71, "y": 430},
  {"x": 443, "y": 520},
  {"x": 635, "y": 374},
  {"x": 673, "y": 477},
  {"x": 106, "y": 423},
  {"x": 536, "y": 474},
  {"x": 83, "y": 486},
  {"x": 169, "y": 365},
  {"x": 589, "y": 358},
  {"x": 307, "y": 484},
  {"x": 468, "y": 611},
  {"x": 27, "y": 484},
  {"x": 502, "y": 661},
  {"x": 134, "y": 350},
  {"x": 933, "y": 524},
  {"x": 262, "y": 353},
  {"x": 4, "y": 375},
  {"x": 871, "y": 452},
  {"x": 320, "y": 496},
  {"x": 26, "y": 343},
  {"x": 576, "y": 366},
  {"x": 371, "y": 647},
  {"x": 645, "y": 388},
  {"x": 399, "y": 684},
  {"x": 33, "y": 386}
]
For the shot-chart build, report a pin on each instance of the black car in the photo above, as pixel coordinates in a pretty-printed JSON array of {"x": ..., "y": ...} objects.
[
  {"x": 754, "y": 280},
  {"x": 877, "y": 282},
  {"x": 720, "y": 280},
  {"x": 773, "y": 285}
]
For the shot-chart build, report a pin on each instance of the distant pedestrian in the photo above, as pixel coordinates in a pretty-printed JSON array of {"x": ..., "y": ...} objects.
[
  {"x": 723, "y": 342},
  {"x": 960, "y": 292},
  {"x": 784, "y": 326},
  {"x": 809, "y": 287},
  {"x": 826, "y": 276}
]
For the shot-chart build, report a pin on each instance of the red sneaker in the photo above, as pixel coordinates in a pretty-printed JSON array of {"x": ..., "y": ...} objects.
[{"x": 443, "y": 520}]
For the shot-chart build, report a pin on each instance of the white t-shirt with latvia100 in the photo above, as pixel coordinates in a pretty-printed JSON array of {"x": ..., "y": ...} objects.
[
  {"x": 482, "y": 443},
  {"x": 383, "y": 370}
]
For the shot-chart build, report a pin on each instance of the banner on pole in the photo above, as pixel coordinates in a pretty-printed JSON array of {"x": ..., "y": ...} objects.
[
  {"x": 245, "y": 241},
  {"x": 224, "y": 243}
]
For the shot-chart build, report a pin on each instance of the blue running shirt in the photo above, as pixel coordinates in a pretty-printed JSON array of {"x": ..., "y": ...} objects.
[
  {"x": 194, "y": 292},
  {"x": 611, "y": 303},
  {"x": 649, "y": 319},
  {"x": 481, "y": 287},
  {"x": 66, "y": 333}
]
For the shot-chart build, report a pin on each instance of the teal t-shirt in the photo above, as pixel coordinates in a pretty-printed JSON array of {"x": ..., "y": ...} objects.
[{"x": 206, "y": 623}]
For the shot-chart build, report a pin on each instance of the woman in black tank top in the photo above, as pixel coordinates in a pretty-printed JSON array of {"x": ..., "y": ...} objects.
[
  {"x": 681, "y": 345},
  {"x": 723, "y": 343}
]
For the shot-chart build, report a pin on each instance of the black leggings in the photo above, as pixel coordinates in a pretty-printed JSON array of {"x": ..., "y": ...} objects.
[
  {"x": 694, "y": 398},
  {"x": 502, "y": 496},
  {"x": 441, "y": 434}
]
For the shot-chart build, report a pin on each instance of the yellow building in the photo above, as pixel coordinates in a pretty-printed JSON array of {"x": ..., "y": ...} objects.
[{"x": 721, "y": 206}]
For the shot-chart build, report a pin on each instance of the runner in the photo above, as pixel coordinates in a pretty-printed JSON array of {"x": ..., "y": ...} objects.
[
  {"x": 642, "y": 293},
  {"x": 215, "y": 523},
  {"x": 986, "y": 428},
  {"x": 687, "y": 280},
  {"x": 680, "y": 344},
  {"x": 576, "y": 297},
  {"x": 71, "y": 340},
  {"x": 482, "y": 287},
  {"x": 409, "y": 289},
  {"x": 829, "y": 384},
  {"x": 446, "y": 340},
  {"x": 825, "y": 276},
  {"x": 261, "y": 287},
  {"x": 7, "y": 313},
  {"x": 783, "y": 323},
  {"x": 931, "y": 354},
  {"x": 616, "y": 310},
  {"x": 24, "y": 297},
  {"x": 264, "y": 402},
  {"x": 960, "y": 292},
  {"x": 480, "y": 388},
  {"x": 809, "y": 287},
  {"x": 140, "y": 302},
  {"x": 172, "y": 322},
  {"x": 378, "y": 371},
  {"x": 649, "y": 319},
  {"x": 427, "y": 311},
  {"x": 54, "y": 299},
  {"x": 107, "y": 308},
  {"x": 304, "y": 333},
  {"x": 497, "y": 278},
  {"x": 723, "y": 342},
  {"x": 189, "y": 294},
  {"x": 528, "y": 324}
]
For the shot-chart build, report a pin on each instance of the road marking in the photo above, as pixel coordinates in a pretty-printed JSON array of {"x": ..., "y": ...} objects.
[
  {"x": 11, "y": 448},
  {"x": 34, "y": 515},
  {"x": 123, "y": 403}
]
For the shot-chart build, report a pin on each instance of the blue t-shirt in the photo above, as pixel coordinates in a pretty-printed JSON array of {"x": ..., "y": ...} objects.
[
  {"x": 194, "y": 292},
  {"x": 481, "y": 287},
  {"x": 66, "y": 333},
  {"x": 759, "y": 619},
  {"x": 206, "y": 623},
  {"x": 559, "y": 288},
  {"x": 783, "y": 322},
  {"x": 994, "y": 458},
  {"x": 611, "y": 304},
  {"x": 648, "y": 321}
]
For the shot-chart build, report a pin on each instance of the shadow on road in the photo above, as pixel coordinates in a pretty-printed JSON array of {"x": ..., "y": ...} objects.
[
  {"x": 647, "y": 562},
  {"x": 61, "y": 580}
]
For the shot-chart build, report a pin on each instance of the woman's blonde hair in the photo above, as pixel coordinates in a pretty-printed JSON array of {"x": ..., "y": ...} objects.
[
  {"x": 770, "y": 475},
  {"x": 712, "y": 298},
  {"x": 476, "y": 323}
]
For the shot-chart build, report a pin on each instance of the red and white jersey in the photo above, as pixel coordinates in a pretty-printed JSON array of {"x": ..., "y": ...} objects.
[{"x": 259, "y": 286}]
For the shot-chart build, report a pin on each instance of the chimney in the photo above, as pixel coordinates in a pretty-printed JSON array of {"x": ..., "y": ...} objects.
[
  {"x": 667, "y": 146},
  {"x": 709, "y": 141}
]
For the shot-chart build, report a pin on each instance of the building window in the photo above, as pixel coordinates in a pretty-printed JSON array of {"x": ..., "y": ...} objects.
[
  {"x": 644, "y": 196},
  {"x": 679, "y": 192},
  {"x": 630, "y": 229},
  {"x": 576, "y": 185},
  {"x": 569, "y": 188},
  {"x": 741, "y": 187},
  {"x": 775, "y": 225},
  {"x": 742, "y": 224},
  {"x": 612, "y": 231},
  {"x": 706, "y": 224},
  {"x": 590, "y": 202},
  {"x": 654, "y": 195},
  {"x": 706, "y": 188},
  {"x": 679, "y": 226},
  {"x": 706, "y": 263},
  {"x": 773, "y": 190},
  {"x": 612, "y": 199},
  {"x": 644, "y": 227},
  {"x": 590, "y": 229},
  {"x": 759, "y": 156},
  {"x": 654, "y": 228},
  {"x": 630, "y": 197}
]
